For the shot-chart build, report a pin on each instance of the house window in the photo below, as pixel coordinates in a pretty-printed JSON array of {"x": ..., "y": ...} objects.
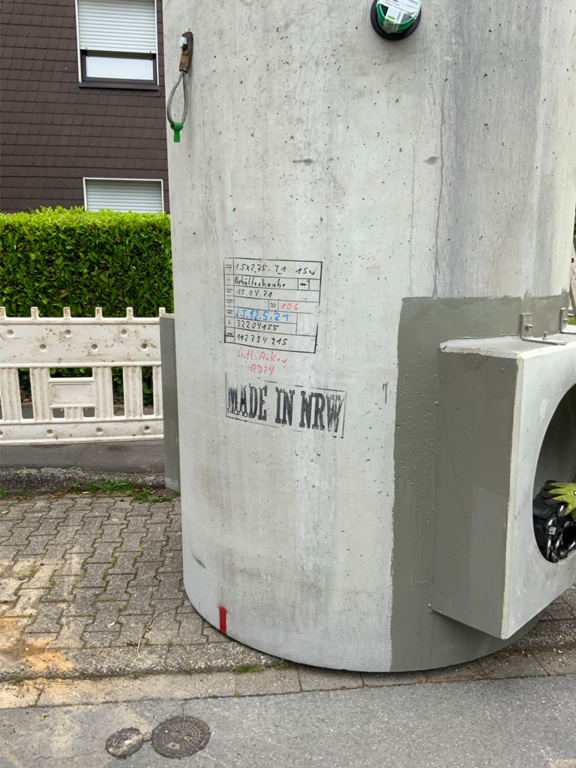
[
  {"x": 117, "y": 40},
  {"x": 140, "y": 196}
]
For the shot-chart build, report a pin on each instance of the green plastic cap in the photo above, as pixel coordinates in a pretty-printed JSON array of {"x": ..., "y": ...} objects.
[{"x": 396, "y": 16}]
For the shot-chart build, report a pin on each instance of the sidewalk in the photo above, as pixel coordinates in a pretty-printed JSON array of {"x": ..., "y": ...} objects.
[{"x": 91, "y": 586}]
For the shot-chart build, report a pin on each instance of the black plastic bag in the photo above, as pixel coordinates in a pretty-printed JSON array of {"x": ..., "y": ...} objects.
[{"x": 555, "y": 532}]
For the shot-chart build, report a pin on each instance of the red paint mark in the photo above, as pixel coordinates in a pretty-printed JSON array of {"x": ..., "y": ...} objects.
[{"x": 223, "y": 613}]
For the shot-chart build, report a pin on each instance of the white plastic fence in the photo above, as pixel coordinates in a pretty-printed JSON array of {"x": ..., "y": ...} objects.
[{"x": 78, "y": 410}]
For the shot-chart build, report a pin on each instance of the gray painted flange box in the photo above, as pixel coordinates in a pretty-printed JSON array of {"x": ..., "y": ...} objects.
[{"x": 507, "y": 423}]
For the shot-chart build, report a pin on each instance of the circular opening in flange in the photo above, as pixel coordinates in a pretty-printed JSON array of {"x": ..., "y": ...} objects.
[{"x": 555, "y": 531}]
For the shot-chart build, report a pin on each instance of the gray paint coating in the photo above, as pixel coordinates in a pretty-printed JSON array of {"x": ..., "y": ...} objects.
[
  {"x": 399, "y": 166},
  {"x": 422, "y": 638},
  {"x": 170, "y": 402}
]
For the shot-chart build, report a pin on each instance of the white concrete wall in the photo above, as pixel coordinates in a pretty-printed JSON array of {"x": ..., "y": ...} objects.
[{"x": 438, "y": 166}]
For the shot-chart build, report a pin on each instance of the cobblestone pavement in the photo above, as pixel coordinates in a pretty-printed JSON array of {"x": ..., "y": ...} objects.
[
  {"x": 85, "y": 580},
  {"x": 83, "y": 577}
]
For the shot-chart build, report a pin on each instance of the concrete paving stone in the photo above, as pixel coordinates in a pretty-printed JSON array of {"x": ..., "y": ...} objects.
[
  {"x": 164, "y": 629},
  {"x": 55, "y": 551},
  {"x": 67, "y": 534},
  {"x": 155, "y": 534},
  {"x": 36, "y": 545},
  {"x": 174, "y": 541},
  {"x": 383, "y": 679},
  {"x": 8, "y": 552},
  {"x": 558, "y": 663},
  {"x": 170, "y": 584},
  {"x": 191, "y": 625},
  {"x": 268, "y": 681},
  {"x": 116, "y": 588},
  {"x": 83, "y": 545},
  {"x": 95, "y": 574},
  {"x": 219, "y": 657},
  {"x": 61, "y": 588},
  {"x": 83, "y": 605},
  {"x": 457, "y": 673},
  {"x": 19, "y": 538},
  {"x": 93, "y": 525},
  {"x": 501, "y": 666},
  {"x": 16, "y": 696},
  {"x": 71, "y": 634},
  {"x": 28, "y": 522},
  {"x": 563, "y": 763},
  {"x": 145, "y": 575},
  {"x": 99, "y": 639},
  {"x": 171, "y": 562},
  {"x": 186, "y": 607},
  {"x": 43, "y": 576},
  {"x": 136, "y": 525},
  {"x": 161, "y": 605},
  {"x": 213, "y": 635},
  {"x": 161, "y": 513},
  {"x": 151, "y": 555},
  {"x": 8, "y": 587},
  {"x": 569, "y": 598},
  {"x": 547, "y": 635},
  {"x": 132, "y": 628},
  {"x": 74, "y": 565},
  {"x": 106, "y": 614},
  {"x": 103, "y": 552},
  {"x": 131, "y": 542},
  {"x": 139, "y": 602},
  {"x": 314, "y": 679},
  {"x": 102, "y": 662},
  {"x": 112, "y": 532},
  {"x": 48, "y": 526},
  {"x": 47, "y": 619},
  {"x": 27, "y": 603},
  {"x": 560, "y": 610},
  {"x": 124, "y": 563}
]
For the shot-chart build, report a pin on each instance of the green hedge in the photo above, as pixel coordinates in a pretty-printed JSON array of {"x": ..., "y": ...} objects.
[
  {"x": 80, "y": 259},
  {"x": 58, "y": 258}
]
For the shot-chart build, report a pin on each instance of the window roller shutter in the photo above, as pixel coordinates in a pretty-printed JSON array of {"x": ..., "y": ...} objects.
[
  {"x": 117, "y": 26},
  {"x": 124, "y": 195}
]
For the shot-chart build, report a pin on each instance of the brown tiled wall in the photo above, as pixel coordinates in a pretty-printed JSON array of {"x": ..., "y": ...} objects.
[{"x": 53, "y": 132}]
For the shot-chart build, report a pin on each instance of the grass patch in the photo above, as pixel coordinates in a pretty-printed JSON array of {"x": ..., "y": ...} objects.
[
  {"x": 283, "y": 664},
  {"x": 242, "y": 669},
  {"x": 3, "y": 493},
  {"x": 17, "y": 680}
]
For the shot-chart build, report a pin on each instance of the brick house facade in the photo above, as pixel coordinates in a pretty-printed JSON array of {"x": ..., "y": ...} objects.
[{"x": 56, "y": 131}]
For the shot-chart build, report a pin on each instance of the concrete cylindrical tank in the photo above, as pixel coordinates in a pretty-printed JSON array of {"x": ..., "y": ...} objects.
[{"x": 342, "y": 206}]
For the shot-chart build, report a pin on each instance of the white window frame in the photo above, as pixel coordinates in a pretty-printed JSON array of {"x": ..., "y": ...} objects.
[
  {"x": 115, "y": 178},
  {"x": 119, "y": 83}
]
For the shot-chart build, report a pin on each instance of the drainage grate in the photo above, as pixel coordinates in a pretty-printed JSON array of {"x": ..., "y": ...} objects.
[
  {"x": 125, "y": 742},
  {"x": 180, "y": 736}
]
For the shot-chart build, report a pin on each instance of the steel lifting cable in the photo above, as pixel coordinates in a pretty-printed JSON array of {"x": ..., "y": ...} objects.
[{"x": 186, "y": 43}]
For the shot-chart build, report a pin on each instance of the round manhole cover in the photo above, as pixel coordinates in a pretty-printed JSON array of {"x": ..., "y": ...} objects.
[
  {"x": 180, "y": 736},
  {"x": 125, "y": 742}
]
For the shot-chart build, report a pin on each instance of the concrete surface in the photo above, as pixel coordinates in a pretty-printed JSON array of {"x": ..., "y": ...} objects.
[
  {"x": 508, "y": 723},
  {"x": 86, "y": 578},
  {"x": 308, "y": 127}
]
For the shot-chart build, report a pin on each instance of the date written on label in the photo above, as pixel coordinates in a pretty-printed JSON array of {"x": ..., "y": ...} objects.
[
  {"x": 272, "y": 303},
  {"x": 275, "y": 405}
]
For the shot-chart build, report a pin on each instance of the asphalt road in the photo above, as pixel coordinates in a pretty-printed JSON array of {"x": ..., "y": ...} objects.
[
  {"x": 517, "y": 723},
  {"x": 130, "y": 457}
]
